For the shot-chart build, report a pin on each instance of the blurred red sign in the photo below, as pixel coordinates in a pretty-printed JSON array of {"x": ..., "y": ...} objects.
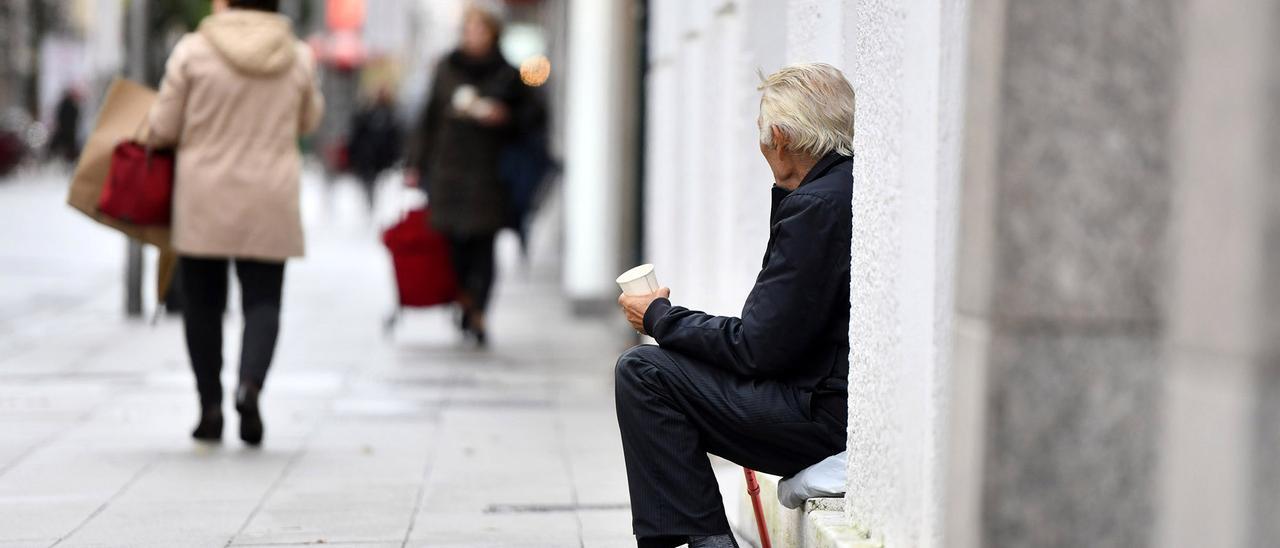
[
  {"x": 345, "y": 49},
  {"x": 344, "y": 14},
  {"x": 341, "y": 49}
]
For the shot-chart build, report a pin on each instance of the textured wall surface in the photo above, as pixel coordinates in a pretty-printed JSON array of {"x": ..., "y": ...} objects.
[
  {"x": 1083, "y": 184},
  {"x": 905, "y": 60},
  {"x": 1071, "y": 439},
  {"x": 815, "y": 31},
  {"x": 1084, "y": 164},
  {"x": 875, "y": 324}
]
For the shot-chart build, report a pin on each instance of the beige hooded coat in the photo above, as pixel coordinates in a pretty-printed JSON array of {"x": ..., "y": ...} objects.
[{"x": 236, "y": 95}]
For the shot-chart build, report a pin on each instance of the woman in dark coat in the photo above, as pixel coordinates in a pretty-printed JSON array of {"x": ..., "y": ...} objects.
[{"x": 474, "y": 109}]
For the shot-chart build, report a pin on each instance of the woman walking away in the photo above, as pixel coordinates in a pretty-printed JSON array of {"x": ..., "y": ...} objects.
[
  {"x": 236, "y": 95},
  {"x": 473, "y": 110}
]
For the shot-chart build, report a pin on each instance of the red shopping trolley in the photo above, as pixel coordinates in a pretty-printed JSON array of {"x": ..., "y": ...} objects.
[{"x": 420, "y": 257}]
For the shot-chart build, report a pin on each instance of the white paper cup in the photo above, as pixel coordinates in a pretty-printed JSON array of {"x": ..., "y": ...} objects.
[
  {"x": 641, "y": 280},
  {"x": 464, "y": 98},
  {"x": 482, "y": 108}
]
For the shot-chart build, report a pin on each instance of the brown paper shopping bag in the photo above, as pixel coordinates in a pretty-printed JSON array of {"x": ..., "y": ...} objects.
[{"x": 123, "y": 111}]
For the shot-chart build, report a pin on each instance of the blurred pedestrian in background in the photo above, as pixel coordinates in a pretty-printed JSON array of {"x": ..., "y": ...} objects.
[
  {"x": 374, "y": 145},
  {"x": 525, "y": 166},
  {"x": 474, "y": 109},
  {"x": 65, "y": 141},
  {"x": 236, "y": 95}
]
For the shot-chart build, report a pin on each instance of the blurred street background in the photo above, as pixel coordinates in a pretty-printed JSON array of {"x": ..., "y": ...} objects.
[
  {"x": 1066, "y": 236},
  {"x": 378, "y": 435}
]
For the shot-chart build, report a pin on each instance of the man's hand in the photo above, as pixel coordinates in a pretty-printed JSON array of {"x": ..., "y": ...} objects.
[
  {"x": 635, "y": 306},
  {"x": 493, "y": 113}
]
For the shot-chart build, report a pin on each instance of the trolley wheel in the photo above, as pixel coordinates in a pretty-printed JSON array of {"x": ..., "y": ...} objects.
[{"x": 389, "y": 324}]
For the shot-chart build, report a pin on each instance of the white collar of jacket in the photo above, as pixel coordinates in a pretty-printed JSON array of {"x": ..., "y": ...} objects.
[{"x": 256, "y": 43}]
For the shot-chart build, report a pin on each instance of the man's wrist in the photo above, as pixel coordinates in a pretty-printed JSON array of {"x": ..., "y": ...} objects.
[{"x": 658, "y": 308}]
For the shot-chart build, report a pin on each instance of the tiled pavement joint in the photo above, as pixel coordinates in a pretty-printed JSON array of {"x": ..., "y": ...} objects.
[{"x": 123, "y": 488}]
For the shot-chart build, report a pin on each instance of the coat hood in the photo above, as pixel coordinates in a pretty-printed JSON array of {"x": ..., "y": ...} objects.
[{"x": 254, "y": 42}]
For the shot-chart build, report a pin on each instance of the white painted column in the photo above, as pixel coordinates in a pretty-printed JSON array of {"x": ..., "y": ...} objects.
[
  {"x": 707, "y": 187},
  {"x": 764, "y": 48},
  {"x": 1220, "y": 346},
  {"x": 719, "y": 158},
  {"x": 975, "y": 259},
  {"x": 598, "y": 164},
  {"x": 663, "y": 142}
]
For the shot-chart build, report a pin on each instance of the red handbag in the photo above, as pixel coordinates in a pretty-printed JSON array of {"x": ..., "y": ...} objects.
[{"x": 139, "y": 188}]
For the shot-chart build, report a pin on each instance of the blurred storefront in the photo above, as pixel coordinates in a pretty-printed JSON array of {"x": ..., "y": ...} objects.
[
  {"x": 48, "y": 48},
  {"x": 367, "y": 47}
]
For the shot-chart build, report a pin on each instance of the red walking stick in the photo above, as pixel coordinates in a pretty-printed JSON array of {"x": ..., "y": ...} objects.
[{"x": 753, "y": 489}]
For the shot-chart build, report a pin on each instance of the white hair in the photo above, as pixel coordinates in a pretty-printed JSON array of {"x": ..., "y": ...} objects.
[{"x": 812, "y": 103}]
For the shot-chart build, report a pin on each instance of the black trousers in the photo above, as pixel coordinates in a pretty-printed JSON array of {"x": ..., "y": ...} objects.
[
  {"x": 673, "y": 409},
  {"x": 204, "y": 285},
  {"x": 472, "y": 257}
]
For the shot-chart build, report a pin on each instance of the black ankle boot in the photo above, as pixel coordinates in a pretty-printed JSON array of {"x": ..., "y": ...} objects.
[
  {"x": 210, "y": 426},
  {"x": 250, "y": 418}
]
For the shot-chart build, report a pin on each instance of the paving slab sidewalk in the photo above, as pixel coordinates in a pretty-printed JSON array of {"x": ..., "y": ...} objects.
[{"x": 416, "y": 440}]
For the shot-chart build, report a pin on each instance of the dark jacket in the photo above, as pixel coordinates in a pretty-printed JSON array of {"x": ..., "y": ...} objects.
[
  {"x": 375, "y": 140},
  {"x": 795, "y": 324},
  {"x": 457, "y": 156}
]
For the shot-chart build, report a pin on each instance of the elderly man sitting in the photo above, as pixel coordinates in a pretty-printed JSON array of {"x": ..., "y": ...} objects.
[{"x": 767, "y": 390}]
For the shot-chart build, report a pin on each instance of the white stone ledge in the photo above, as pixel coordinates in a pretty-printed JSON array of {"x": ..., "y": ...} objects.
[{"x": 820, "y": 523}]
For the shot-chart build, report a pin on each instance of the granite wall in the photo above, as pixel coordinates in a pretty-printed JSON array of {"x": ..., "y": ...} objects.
[
  {"x": 1115, "y": 323},
  {"x": 1062, "y": 293}
]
